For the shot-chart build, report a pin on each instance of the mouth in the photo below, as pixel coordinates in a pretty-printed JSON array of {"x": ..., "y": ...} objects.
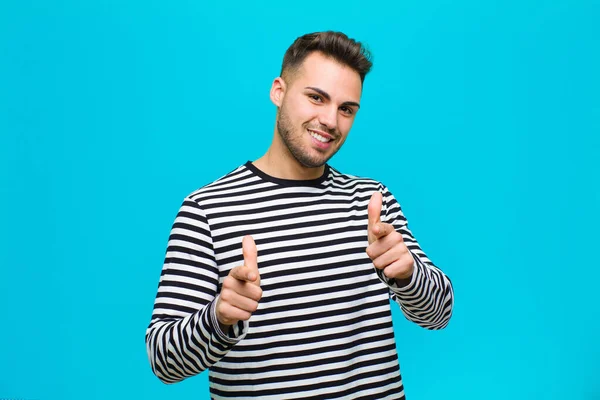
[{"x": 320, "y": 136}]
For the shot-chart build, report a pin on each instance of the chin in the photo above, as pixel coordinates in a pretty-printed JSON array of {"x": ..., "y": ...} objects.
[
  {"x": 314, "y": 163},
  {"x": 310, "y": 162}
]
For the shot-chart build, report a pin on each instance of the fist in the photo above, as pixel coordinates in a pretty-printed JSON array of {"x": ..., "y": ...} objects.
[
  {"x": 386, "y": 246},
  {"x": 241, "y": 289}
]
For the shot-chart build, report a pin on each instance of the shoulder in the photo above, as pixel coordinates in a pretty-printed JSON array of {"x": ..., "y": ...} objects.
[
  {"x": 229, "y": 182},
  {"x": 343, "y": 179},
  {"x": 364, "y": 186}
]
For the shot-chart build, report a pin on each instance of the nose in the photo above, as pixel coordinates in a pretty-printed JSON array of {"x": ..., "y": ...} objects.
[{"x": 328, "y": 117}]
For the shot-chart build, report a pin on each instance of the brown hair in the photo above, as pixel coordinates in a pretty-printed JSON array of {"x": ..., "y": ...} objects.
[{"x": 336, "y": 45}]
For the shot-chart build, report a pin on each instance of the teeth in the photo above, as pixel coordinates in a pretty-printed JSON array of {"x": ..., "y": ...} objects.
[{"x": 318, "y": 137}]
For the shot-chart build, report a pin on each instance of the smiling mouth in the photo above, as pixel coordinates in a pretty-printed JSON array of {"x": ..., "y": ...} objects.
[{"x": 319, "y": 137}]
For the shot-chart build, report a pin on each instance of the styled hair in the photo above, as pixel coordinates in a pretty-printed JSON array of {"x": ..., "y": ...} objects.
[{"x": 336, "y": 45}]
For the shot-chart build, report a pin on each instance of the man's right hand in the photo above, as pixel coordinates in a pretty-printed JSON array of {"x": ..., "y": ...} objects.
[{"x": 241, "y": 289}]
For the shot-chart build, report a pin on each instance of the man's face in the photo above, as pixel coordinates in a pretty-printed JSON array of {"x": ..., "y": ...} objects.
[{"x": 318, "y": 108}]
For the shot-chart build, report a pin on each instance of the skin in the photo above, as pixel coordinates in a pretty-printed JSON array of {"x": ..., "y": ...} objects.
[{"x": 322, "y": 96}]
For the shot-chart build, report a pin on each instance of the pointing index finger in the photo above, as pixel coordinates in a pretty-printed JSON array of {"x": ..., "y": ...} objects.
[
  {"x": 249, "y": 252},
  {"x": 374, "y": 209}
]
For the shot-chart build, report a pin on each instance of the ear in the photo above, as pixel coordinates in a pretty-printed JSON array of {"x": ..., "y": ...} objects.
[{"x": 278, "y": 91}]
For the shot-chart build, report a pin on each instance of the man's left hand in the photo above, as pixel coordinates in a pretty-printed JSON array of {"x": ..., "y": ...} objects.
[{"x": 386, "y": 246}]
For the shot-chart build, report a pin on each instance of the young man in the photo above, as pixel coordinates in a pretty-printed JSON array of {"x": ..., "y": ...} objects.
[{"x": 277, "y": 276}]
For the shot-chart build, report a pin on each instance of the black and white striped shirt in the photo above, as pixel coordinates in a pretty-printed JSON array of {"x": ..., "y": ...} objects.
[{"x": 323, "y": 328}]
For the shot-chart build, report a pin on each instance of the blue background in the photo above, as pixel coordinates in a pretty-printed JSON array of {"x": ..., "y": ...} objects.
[{"x": 483, "y": 118}]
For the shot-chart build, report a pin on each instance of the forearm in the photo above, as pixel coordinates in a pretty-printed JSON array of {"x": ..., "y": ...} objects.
[
  {"x": 427, "y": 299},
  {"x": 180, "y": 348}
]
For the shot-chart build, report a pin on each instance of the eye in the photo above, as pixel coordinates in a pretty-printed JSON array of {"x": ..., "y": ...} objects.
[
  {"x": 347, "y": 110},
  {"x": 315, "y": 97}
]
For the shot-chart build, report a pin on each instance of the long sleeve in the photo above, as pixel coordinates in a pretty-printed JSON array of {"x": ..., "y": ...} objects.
[
  {"x": 184, "y": 337},
  {"x": 428, "y": 298}
]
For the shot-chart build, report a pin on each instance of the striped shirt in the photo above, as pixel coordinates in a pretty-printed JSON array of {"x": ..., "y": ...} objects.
[{"x": 323, "y": 328}]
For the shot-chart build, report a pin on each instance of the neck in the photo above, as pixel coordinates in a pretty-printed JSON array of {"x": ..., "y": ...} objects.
[{"x": 280, "y": 163}]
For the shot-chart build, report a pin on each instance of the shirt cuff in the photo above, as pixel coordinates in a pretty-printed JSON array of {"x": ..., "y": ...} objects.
[
  {"x": 414, "y": 280},
  {"x": 235, "y": 333}
]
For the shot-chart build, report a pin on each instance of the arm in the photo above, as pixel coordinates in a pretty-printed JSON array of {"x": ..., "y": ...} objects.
[
  {"x": 184, "y": 337},
  {"x": 425, "y": 297}
]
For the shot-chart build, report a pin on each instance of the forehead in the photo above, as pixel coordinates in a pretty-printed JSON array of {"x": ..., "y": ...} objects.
[{"x": 320, "y": 71}]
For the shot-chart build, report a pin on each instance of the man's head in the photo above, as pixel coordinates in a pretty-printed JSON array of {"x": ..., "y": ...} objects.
[{"x": 318, "y": 94}]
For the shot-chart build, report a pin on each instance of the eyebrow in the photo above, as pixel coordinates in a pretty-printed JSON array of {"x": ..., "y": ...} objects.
[{"x": 328, "y": 97}]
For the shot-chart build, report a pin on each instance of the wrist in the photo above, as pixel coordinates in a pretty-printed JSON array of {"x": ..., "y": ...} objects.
[
  {"x": 224, "y": 327},
  {"x": 402, "y": 282}
]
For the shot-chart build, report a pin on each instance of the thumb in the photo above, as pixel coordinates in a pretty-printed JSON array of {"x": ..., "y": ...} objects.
[{"x": 250, "y": 254}]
